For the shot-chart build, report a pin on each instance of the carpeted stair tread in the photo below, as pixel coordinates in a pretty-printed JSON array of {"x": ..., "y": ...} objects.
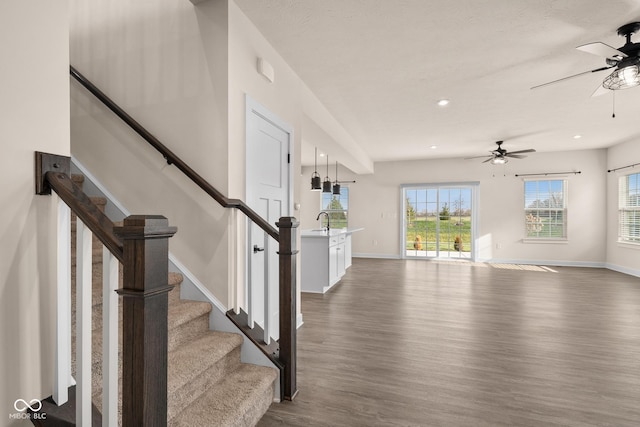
[
  {"x": 180, "y": 314},
  {"x": 175, "y": 280},
  {"x": 240, "y": 399},
  {"x": 199, "y": 365},
  {"x": 185, "y": 311},
  {"x": 187, "y": 318}
]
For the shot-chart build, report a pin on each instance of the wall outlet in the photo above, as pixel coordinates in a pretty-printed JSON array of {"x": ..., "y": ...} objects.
[
  {"x": 374, "y": 242},
  {"x": 498, "y": 245}
]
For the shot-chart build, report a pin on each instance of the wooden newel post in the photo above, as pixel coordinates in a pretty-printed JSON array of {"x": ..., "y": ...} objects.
[
  {"x": 145, "y": 310},
  {"x": 288, "y": 303}
]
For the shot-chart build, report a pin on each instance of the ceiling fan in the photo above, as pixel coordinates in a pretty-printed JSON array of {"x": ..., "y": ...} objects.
[
  {"x": 625, "y": 60},
  {"x": 499, "y": 155}
]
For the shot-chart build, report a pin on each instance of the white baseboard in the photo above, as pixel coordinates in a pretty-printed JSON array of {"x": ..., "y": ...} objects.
[
  {"x": 625, "y": 270},
  {"x": 378, "y": 256},
  {"x": 553, "y": 263}
]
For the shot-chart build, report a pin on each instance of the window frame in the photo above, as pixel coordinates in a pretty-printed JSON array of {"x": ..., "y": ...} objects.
[
  {"x": 535, "y": 221},
  {"x": 335, "y": 212},
  {"x": 631, "y": 208}
]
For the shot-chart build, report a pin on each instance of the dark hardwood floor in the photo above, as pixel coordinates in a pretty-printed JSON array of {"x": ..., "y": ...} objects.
[{"x": 429, "y": 343}]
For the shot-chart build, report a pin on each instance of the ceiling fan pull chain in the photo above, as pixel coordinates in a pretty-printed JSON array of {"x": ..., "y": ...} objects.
[{"x": 613, "y": 116}]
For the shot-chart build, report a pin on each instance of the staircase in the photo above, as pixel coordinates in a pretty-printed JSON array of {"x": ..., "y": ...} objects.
[{"x": 208, "y": 385}]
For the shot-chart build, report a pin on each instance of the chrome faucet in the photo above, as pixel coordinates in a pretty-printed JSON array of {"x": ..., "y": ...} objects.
[{"x": 327, "y": 214}]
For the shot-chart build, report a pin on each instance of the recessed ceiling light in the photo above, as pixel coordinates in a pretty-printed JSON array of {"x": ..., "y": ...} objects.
[
  {"x": 577, "y": 136},
  {"x": 433, "y": 147},
  {"x": 443, "y": 102}
]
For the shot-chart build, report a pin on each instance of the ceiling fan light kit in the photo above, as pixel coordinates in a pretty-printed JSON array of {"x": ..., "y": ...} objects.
[
  {"x": 622, "y": 78},
  {"x": 625, "y": 61},
  {"x": 499, "y": 160}
]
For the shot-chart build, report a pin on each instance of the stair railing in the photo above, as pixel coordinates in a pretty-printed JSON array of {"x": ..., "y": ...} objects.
[
  {"x": 285, "y": 236},
  {"x": 141, "y": 245}
]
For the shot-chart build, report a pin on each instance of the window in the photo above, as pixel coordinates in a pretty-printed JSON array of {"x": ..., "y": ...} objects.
[
  {"x": 337, "y": 206},
  {"x": 545, "y": 209},
  {"x": 629, "y": 208}
]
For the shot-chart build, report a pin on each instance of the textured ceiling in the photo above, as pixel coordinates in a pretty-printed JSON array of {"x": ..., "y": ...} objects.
[{"x": 380, "y": 66}]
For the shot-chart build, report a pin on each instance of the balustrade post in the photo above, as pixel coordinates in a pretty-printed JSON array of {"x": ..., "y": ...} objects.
[
  {"x": 288, "y": 303},
  {"x": 145, "y": 311}
]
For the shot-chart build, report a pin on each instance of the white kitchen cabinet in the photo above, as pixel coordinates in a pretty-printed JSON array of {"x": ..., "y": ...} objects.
[{"x": 325, "y": 256}]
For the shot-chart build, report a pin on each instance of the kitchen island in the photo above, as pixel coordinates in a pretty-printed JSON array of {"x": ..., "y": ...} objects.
[{"x": 325, "y": 257}]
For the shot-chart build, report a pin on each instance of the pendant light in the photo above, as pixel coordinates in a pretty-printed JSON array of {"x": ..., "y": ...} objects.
[
  {"x": 326, "y": 184},
  {"x": 336, "y": 184},
  {"x": 315, "y": 177}
]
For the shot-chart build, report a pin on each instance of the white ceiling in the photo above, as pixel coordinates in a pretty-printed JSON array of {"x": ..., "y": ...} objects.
[{"x": 380, "y": 66}]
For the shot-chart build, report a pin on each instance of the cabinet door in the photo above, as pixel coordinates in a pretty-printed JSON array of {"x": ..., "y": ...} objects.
[
  {"x": 334, "y": 276},
  {"x": 340, "y": 259},
  {"x": 347, "y": 252}
]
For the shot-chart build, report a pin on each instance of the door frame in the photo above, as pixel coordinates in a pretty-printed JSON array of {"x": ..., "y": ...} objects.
[{"x": 475, "y": 214}]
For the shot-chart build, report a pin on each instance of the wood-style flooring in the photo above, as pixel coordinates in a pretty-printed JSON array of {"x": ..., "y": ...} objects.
[{"x": 434, "y": 343}]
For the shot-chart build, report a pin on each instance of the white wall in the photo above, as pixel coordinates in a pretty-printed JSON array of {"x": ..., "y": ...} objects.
[
  {"x": 34, "y": 116},
  {"x": 375, "y": 204},
  {"x": 165, "y": 63},
  {"x": 620, "y": 257}
]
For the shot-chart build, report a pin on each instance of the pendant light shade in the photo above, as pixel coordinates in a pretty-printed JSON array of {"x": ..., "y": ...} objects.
[
  {"x": 315, "y": 177},
  {"x": 326, "y": 184},
  {"x": 336, "y": 184}
]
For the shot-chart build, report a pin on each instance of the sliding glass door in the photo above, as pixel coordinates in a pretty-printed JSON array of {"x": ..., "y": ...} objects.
[{"x": 438, "y": 221}]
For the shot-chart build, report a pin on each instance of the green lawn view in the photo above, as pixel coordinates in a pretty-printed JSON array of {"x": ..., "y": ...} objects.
[
  {"x": 545, "y": 224},
  {"x": 425, "y": 227}
]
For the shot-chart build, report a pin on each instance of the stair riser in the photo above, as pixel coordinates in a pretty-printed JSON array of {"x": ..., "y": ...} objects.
[
  {"x": 188, "y": 331},
  {"x": 240, "y": 399},
  {"x": 186, "y": 395},
  {"x": 96, "y": 313}
]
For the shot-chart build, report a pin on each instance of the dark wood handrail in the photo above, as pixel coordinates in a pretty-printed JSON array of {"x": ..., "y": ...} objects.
[
  {"x": 52, "y": 173},
  {"x": 286, "y": 237},
  {"x": 172, "y": 158},
  {"x": 80, "y": 204}
]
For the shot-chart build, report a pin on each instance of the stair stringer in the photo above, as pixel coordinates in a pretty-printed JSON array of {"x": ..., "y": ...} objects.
[{"x": 191, "y": 288}]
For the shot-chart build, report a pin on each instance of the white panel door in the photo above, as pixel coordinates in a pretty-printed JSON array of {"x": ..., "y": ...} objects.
[{"x": 268, "y": 193}]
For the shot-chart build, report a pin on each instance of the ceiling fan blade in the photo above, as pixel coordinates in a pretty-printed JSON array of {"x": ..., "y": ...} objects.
[
  {"x": 477, "y": 157},
  {"x": 601, "y": 49},
  {"x": 570, "y": 77},
  {"x": 529, "y": 150},
  {"x": 601, "y": 90},
  {"x": 515, "y": 156},
  {"x": 489, "y": 159}
]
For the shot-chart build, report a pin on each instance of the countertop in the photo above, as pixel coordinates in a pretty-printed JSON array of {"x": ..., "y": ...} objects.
[{"x": 321, "y": 232}]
